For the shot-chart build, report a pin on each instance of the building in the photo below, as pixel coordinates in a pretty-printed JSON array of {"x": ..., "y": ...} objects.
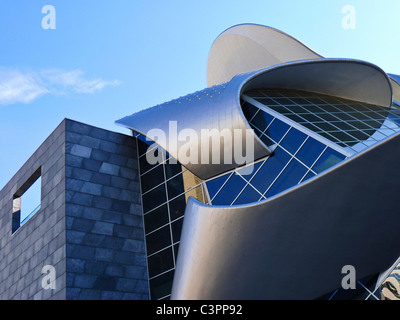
[{"x": 268, "y": 184}]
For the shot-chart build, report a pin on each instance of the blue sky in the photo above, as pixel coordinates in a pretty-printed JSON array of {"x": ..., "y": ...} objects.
[{"x": 108, "y": 59}]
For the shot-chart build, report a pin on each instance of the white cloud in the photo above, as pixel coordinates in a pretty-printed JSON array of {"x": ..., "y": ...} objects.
[{"x": 25, "y": 87}]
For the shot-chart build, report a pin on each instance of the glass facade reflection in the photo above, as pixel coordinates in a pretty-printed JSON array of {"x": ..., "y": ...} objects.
[
  {"x": 165, "y": 188},
  {"x": 354, "y": 126}
]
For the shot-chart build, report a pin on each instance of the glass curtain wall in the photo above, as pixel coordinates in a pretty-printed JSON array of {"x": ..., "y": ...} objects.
[{"x": 165, "y": 188}]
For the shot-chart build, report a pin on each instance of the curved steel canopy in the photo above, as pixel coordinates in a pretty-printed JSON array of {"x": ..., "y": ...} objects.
[{"x": 218, "y": 109}]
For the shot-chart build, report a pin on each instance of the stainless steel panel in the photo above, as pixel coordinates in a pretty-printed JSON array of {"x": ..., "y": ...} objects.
[{"x": 294, "y": 245}]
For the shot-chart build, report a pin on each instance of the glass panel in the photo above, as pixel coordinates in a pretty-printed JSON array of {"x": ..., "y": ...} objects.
[
  {"x": 230, "y": 191},
  {"x": 267, "y": 101},
  {"x": 161, "y": 286},
  {"x": 267, "y": 141},
  {"x": 348, "y": 122},
  {"x": 268, "y": 172},
  {"x": 176, "y": 249},
  {"x": 262, "y": 120},
  {"x": 277, "y": 130},
  {"x": 394, "y": 118},
  {"x": 142, "y": 146},
  {"x": 248, "y": 195},
  {"x": 144, "y": 165},
  {"x": 172, "y": 169},
  {"x": 176, "y": 227},
  {"x": 158, "y": 240},
  {"x": 160, "y": 262},
  {"x": 309, "y": 175},
  {"x": 327, "y": 160},
  {"x": 177, "y": 207},
  {"x": 249, "y": 110},
  {"x": 31, "y": 201},
  {"x": 249, "y": 171},
  {"x": 156, "y": 218},
  {"x": 214, "y": 185},
  {"x": 154, "y": 198},
  {"x": 293, "y": 140},
  {"x": 310, "y": 151},
  {"x": 290, "y": 177},
  {"x": 175, "y": 187},
  {"x": 152, "y": 178}
]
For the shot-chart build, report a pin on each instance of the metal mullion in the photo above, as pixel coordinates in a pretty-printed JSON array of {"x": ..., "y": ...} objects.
[
  {"x": 158, "y": 251},
  {"x": 241, "y": 191},
  {"x": 252, "y": 186},
  {"x": 153, "y": 146},
  {"x": 350, "y": 114},
  {"x": 310, "y": 168},
  {"x": 339, "y": 130},
  {"x": 297, "y": 159},
  {"x": 169, "y": 214},
  {"x": 340, "y": 120},
  {"x": 143, "y": 223},
  {"x": 367, "y": 115},
  {"x": 370, "y": 293},
  {"x": 152, "y": 189},
  {"x": 155, "y": 166},
  {"x": 276, "y": 178},
  {"x": 248, "y": 181},
  {"x": 292, "y": 157},
  {"x": 258, "y": 110},
  {"x": 160, "y": 274},
  {"x": 165, "y": 180}
]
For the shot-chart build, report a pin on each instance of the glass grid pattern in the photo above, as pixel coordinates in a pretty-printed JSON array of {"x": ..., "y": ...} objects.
[
  {"x": 352, "y": 125},
  {"x": 165, "y": 189},
  {"x": 296, "y": 158}
]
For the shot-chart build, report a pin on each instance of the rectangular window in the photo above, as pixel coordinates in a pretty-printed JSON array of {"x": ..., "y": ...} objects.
[{"x": 27, "y": 201}]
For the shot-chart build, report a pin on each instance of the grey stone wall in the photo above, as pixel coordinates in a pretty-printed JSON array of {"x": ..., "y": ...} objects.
[
  {"x": 105, "y": 238},
  {"x": 89, "y": 227},
  {"x": 41, "y": 241}
]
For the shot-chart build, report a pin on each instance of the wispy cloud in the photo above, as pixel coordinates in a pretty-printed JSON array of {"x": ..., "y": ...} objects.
[{"x": 26, "y": 86}]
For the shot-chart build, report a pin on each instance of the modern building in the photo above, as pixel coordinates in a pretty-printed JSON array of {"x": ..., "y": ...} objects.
[{"x": 277, "y": 181}]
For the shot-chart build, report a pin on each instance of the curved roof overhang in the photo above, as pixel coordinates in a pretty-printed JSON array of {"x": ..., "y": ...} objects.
[
  {"x": 294, "y": 245},
  {"x": 345, "y": 78},
  {"x": 217, "y": 110},
  {"x": 250, "y": 47}
]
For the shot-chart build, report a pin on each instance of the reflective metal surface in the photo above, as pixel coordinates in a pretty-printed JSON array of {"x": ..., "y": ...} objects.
[
  {"x": 249, "y": 47},
  {"x": 295, "y": 245},
  {"x": 218, "y": 108},
  {"x": 345, "y": 78},
  {"x": 215, "y": 110}
]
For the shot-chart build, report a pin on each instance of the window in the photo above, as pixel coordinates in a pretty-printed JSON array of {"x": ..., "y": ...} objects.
[
  {"x": 27, "y": 201},
  {"x": 349, "y": 124},
  {"x": 166, "y": 187}
]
